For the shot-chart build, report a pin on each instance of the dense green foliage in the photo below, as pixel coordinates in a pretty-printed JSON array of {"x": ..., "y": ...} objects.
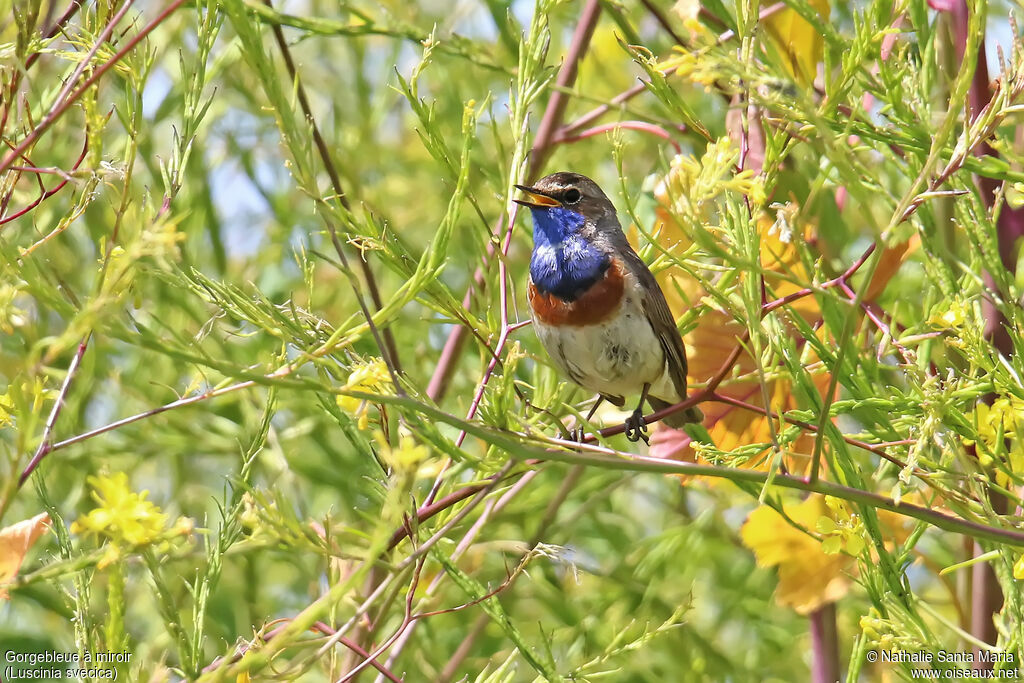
[{"x": 206, "y": 268}]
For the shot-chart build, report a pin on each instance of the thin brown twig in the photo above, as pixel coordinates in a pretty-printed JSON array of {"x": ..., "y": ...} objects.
[
  {"x": 45, "y": 444},
  {"x": 440, "y": 380},
  {"x": 463, "y": 545},
  {"x": 663, "y": 21},
  {"x": 384, "y": 339},
  {"x": 546, "y": 521},
  {"x": 319, "y": 627}
]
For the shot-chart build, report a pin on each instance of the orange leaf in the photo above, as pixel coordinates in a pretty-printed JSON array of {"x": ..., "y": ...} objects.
[
  {"x": 708, "y": 346},
  {"x": 888, "y": 263},
  {"x": 15, "y": 542}
]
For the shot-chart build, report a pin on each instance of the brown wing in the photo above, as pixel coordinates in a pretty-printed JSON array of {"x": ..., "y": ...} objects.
[{"x": 656, "y": 309}]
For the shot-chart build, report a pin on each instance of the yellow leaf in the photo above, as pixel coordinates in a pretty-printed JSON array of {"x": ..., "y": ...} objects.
[
  {"x": 809, "y": 577},
  {"x": 15, "y": 542},
  {"x": 799, "y": 44}
]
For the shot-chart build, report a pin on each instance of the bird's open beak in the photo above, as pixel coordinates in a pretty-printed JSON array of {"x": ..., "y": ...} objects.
[{"x": 536, "y": 199}]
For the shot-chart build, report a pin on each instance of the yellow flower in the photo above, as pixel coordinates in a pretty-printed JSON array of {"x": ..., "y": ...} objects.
[
  {"x": 798, "y": 42},
  {"x": 368, "y": 376},
  {"x": 953, "y": 318},
  {"x": 692, "y": 184},
  {"x": 886, "y": 634},
  {"x": 1018, "y": 568},
  {"x": 123, "y": 517},
  {"x": 841, "y": 529},
  {"x": 6, "y": 406},
  {"x": 999, "y": 426},
  {"x": 689, "y": 12},
  {"x": 408, "y": 455}
]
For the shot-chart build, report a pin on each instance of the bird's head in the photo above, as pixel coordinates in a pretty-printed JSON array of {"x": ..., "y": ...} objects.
[
  {"x": 575, "y": 232},
  {"x": 565, "y": 203}
]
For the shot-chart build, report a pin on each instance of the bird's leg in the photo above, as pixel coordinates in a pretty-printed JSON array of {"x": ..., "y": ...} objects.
[
  {"x": 578, "y": 432},
  {"x": 636, "y": 428}
]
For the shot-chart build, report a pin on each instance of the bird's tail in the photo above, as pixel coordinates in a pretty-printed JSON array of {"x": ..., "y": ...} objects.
[{"x": 680, "y": 419}]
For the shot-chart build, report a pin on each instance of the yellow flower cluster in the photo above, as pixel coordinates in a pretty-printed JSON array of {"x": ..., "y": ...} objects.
[
  {"x": 368, "y": 376},
  {"x": 693, "y": 183},
  {"x": 955, "y": 321},
  {"x": 1000, "y": 427},
  {"x": 882, "y": 634},
  {"x": 34, "y": 391},
  {"x": 842, "y": 529},
  {"x": 408, "y": 455},
  {"x": 124, "y": 517},
  {"x": 694, "y": 66},
  {"x": 1004, "y": 419}
]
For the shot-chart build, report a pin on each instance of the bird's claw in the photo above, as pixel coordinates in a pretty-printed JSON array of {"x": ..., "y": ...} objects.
[
  {"x": 578, "y": 434},
  {"x": 636, "y": 427}
]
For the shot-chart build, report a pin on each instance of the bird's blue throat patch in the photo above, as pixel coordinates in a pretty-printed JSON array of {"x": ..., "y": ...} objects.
[{"x": 563, "y": 263}]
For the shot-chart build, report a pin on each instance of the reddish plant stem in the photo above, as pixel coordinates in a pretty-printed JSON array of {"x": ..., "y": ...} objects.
[
  {"x": 62, "y": 105},
  {"x": 824, "y": 644},
  {"x": 547, "y": 520},
  {"x": 428, "y": 510},
  {"x": 641, "y": 126},
  {"x": 492, "y": 508},
  {"x": 319, "y": 627},
  {"x": 407, "y": 619},
  {"x": 54, "y": 29},
  {"x": 555, "y": 110},
  {"x": 403, "y": 633},
  {"x": 46, "y": 194},
  {"x": 871, "y": 311},
  {"x": 30, "y": 60},
  {"x": 146, "y": 414},
  {"x": 6, "y": 201}
]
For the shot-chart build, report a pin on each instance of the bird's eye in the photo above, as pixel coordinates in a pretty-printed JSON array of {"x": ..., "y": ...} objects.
[{"x": 572, "y": 196}]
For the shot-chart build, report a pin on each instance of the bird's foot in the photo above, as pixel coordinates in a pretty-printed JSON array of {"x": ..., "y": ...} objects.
[
  {"x": 636, "y": 427},
  {"x": 578, "y": 433}
]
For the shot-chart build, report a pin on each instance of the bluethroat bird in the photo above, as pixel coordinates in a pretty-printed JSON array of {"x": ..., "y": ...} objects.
[{"x": 596, "y": 307}]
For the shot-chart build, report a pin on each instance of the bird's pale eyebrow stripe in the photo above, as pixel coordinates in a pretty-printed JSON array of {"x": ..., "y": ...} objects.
[{"x": 597, "y": 304}]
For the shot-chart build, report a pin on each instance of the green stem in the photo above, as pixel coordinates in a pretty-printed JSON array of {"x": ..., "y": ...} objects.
[{"x": 595, "y": 456}]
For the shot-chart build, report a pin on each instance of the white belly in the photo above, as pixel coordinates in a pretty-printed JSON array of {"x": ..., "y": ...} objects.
[{"x": 616, "y": 357}]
